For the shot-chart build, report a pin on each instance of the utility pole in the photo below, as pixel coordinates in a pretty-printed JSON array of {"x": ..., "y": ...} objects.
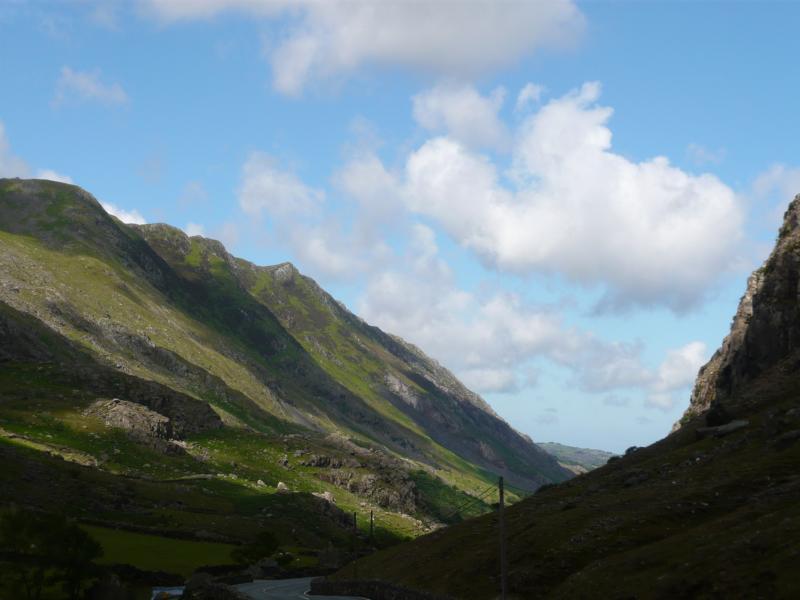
[
  {"x": 503, "y": 551},
  {"x": 371, "y": 526},
  {"x": 355, "y": 545}
]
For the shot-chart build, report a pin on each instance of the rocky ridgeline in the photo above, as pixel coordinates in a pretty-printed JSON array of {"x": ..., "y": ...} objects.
[{"x": 766, "y": 327}]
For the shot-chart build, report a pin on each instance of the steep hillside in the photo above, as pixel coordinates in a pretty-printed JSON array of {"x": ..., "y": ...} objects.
[
  {"x": 577, "y": 460},
  {"x": 394, "y": 379},
  {"x": 142, "y": 353},
  {"x": 711, "y": 511},
  {"x": 766, "y": 327}
]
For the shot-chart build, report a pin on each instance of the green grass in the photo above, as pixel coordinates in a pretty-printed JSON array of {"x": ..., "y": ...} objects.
[
  {"x": 157, "y": 553},
  {"x": 232, "y": 337}
]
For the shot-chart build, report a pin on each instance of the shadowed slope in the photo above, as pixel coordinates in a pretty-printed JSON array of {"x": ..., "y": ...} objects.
[{"x": 710, "y": 511}]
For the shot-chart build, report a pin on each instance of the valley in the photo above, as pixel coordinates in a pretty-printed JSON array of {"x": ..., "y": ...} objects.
[{"x": 152, "y": 383}]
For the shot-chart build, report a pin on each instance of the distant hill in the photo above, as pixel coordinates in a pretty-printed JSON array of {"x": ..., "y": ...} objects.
[
  {"x": 710, "y": 511},
  {"x": 577, "y": 460},
  {"x": 141, "y": 353}
]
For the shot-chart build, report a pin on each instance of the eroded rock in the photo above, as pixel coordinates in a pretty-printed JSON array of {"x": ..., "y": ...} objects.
[{"x": 722, "y": 430}]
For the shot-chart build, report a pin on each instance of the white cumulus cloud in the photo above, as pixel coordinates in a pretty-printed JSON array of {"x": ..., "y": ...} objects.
[
  {"x": 531, "y": 93},
  {"x": 194, "y": 229},
  {"x": 464, "y": 114},
  {"x": 126, "y": 216},
  {"x": 607, "y": 367},
  {"x": 648, "y": 232},
  {"x": 456, "y": 38},
  {"x": 492, "y": 341},
  {"x": 779, "y": 179},
  {"x": 53, "y": 176},
  {"x": 267, "y": 188},
  {"x": 552, "y": 211},
  {"x": 302, "y": 220}
]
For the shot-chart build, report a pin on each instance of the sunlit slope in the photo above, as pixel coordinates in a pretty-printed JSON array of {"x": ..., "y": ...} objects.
[
  {"x": 265, "y": 347},
  {"x": 393, "y": 378}
]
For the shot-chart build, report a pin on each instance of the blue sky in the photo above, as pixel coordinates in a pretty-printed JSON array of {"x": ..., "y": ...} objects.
[{"x": 559, "y": 201}]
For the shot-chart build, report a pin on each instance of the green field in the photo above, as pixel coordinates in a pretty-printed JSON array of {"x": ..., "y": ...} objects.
[{"x": 156, "y": 553}]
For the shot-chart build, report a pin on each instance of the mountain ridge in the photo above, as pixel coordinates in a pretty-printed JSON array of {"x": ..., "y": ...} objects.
[
  {"x": 150, "y": 315},
  {"x": 764, "y": 329}
]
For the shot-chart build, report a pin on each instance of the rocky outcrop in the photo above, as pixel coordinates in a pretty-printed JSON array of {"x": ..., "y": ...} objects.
[
  {"x": 187, "y": 415},
  {"x": 143, "y": 425},
  {"x": 766, "y": 328},
  {"x": 393, "y": 490},
  {"x": 137, "y": 420},
  {"x": 330, "y": 462},
  {"x": 401, "y": 390}
]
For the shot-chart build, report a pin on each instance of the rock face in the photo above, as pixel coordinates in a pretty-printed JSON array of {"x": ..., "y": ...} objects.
[
  {"x": 138, "y": 420},
  {"x": 766, "y": 328},
  {"x": 390, "y": 489}
]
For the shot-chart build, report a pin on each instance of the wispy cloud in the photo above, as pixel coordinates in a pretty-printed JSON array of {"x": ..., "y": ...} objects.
[
  {"x": 86, "y": 86},
  {"x": 702, "y": 156}
]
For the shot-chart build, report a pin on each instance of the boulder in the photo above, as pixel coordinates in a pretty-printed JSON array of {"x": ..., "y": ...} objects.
[
  {"x": 142, "y": 424},
  {"x": 721, "y": 430},
  {"x": 139, "y": 421},
  {"x": 327, "y": 496}
]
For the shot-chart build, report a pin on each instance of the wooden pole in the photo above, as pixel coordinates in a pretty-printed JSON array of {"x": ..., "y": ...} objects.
[
  {"x": 355, "y": 545},
  {"x": 503, "y": 551}
]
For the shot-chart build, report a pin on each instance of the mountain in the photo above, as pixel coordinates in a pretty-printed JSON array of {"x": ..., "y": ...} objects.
[
  {"x": 710, "y": 511},
  {"x": 577, "y": 460},
  {"x": 147, "y": 360},
  {"x": 765, "y": 332}
]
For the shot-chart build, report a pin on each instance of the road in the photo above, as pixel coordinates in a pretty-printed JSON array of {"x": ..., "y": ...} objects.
[{"x": 284, "y": 589}]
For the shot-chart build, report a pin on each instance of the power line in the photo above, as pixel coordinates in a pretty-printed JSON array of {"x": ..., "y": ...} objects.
[{"x": 470, "y": 502}]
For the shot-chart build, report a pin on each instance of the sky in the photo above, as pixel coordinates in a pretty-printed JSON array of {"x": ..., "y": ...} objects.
[{"x": 559, "y": 201}]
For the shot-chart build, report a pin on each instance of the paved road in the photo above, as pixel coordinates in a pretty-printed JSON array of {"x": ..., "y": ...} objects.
[{"x": 284, "y": 589}]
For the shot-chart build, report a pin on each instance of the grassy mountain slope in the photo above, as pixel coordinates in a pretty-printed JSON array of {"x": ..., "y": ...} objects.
[
  {"x": 264, "y": 377},
  {"x": 393, "y": 379},
  {"x": 710, "y": 511},
  {"x": 578, "y": 460}
]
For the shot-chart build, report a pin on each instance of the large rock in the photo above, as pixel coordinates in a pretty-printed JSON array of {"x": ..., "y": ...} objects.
[
  {"x": 393, "y": 490},
  {"x": 139, "y": 421},
  {"x": 766, "y": 328}
]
